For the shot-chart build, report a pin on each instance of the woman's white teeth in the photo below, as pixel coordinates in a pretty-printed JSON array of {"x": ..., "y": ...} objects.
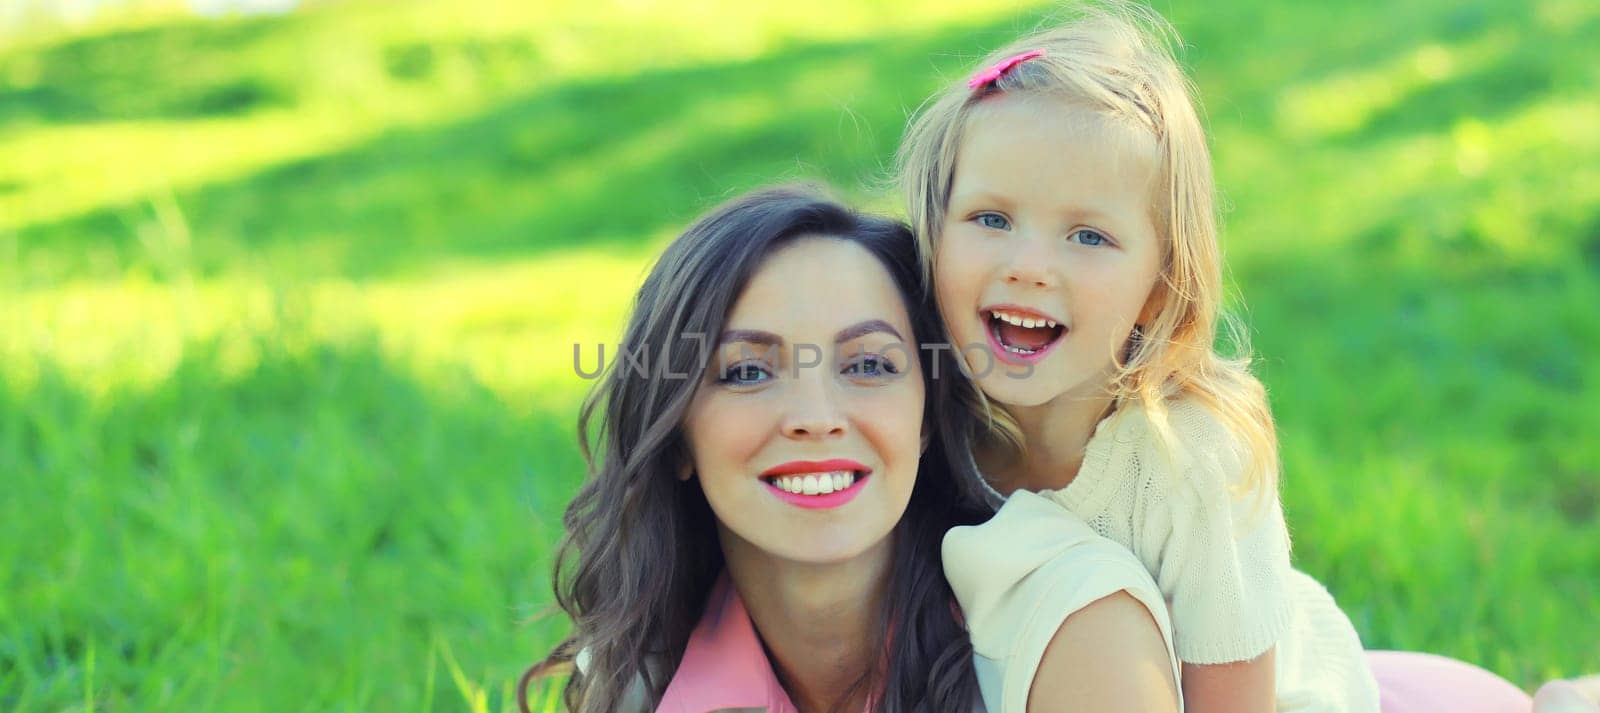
[
  {"x": 815, "y": 483},
  {"x": 1027, "y": 322}
]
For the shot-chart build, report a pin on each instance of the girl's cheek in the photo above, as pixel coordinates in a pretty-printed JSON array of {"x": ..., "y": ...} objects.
[{"x": 960, "y": 257}]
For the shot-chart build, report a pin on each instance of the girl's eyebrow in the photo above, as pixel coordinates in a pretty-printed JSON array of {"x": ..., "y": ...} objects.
[
  {"x": 1092, "y": 214},
  {"x": 981, "y": 196}
]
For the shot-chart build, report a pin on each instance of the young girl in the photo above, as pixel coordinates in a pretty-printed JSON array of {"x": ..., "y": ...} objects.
[
  {"x": 761, "y": 526},
  {"x": 1063, "y": 202}
]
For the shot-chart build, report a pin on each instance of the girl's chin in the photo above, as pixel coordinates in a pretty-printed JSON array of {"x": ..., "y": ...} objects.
[{"x": 1010, "y": 391}]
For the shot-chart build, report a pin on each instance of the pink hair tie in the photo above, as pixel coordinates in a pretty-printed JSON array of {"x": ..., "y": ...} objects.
[{"x": 1000, "y": 68}]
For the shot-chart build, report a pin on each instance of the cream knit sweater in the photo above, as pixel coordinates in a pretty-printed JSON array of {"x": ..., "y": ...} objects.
[{"x": 1221, "y": 562}]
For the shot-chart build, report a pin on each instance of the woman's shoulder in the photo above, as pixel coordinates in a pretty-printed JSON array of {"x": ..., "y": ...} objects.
[{"x": 637, "y": 695}]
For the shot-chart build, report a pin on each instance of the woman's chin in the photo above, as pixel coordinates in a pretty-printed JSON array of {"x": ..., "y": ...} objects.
[{"x": 839, "y": 549}]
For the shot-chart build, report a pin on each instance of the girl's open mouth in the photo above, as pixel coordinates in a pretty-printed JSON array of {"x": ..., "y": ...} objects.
[{"x": 1021, "y": 337}]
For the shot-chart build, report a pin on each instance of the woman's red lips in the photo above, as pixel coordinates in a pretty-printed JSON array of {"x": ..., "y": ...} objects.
[{"x": 815, "y": 466}]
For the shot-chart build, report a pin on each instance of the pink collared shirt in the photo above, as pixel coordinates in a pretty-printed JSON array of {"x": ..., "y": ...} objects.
[{"x": 724, "y": 667}]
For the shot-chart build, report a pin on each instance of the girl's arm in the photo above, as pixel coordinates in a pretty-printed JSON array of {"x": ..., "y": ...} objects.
[
  {"x": 1224, "y": 566},
  {"x": 1245, "y": 686},
  {"x": 1107, "y": 656}
]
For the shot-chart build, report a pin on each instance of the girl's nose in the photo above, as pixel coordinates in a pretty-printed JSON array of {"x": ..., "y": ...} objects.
[
  {"x": 1027, "y": 276},
  {"x": 1029, "y": 265}
]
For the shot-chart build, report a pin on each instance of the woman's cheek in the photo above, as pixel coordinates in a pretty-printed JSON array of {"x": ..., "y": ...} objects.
[
  {"x": 901, "y": 412},
  {"x": 729, "y": 429}
]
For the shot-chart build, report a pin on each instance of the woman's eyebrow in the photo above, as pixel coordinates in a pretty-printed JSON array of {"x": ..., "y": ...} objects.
[
  {"x": 753, "y": 336},
  {"x": 862, "y": 329}
]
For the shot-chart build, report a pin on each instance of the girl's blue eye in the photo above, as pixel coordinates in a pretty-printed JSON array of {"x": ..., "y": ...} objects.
[
  {"x": 993, "y": 221},
  {"x": 872, "y": 366},
  {"x": 1088, "y": 237},
  {"x": 744, "y": 374}
]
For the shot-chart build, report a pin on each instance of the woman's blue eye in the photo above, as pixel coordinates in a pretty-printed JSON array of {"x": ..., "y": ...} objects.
[
  {"x": 744, "y": 374},
  {"x": 1089, "y": 237},
  {"x": 872, "y": 366},
  {"x": 993, "y": 221}
]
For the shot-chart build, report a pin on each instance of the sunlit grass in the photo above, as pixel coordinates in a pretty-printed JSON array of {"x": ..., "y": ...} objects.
[
  {"x": 416, "y": 64},
  {"x": 514, "y": 324},
  {"x": 615, "y": 37},
  {"x": 72, "y": 169},
  {"x": 1345, "y": 102}
]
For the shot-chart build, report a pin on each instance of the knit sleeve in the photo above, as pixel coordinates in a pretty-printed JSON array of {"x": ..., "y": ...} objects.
[
  {"x": 1224, "y": 562},
  {"x": 1020, "y": 575}
]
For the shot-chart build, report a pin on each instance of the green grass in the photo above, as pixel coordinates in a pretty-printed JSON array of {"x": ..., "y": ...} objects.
[{"x": 287, "y": 307}]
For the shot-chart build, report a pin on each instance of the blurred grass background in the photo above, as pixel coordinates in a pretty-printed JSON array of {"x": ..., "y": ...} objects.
[{"x": 287, "y": 307}]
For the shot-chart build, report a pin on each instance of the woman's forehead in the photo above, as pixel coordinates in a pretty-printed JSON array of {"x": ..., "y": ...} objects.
[{"x": 819, "y": 285}]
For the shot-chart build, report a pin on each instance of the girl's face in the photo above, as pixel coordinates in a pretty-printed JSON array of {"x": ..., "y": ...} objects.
[
  {"x": 806, "y": 433},
  {"x": 1048, "y": 255}
]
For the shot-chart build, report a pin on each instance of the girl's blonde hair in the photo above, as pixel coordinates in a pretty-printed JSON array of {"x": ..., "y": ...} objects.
[{"x": 1117, "y": 59}]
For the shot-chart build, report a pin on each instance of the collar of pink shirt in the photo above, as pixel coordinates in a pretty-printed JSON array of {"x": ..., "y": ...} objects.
[{"x": 724, "y": 666}]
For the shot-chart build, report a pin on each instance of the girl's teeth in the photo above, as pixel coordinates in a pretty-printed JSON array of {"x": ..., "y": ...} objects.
[{"x": 1028, "y": 322}]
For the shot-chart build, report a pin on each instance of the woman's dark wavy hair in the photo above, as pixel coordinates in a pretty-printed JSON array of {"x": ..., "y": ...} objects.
[{"x": 641, "y": 552}]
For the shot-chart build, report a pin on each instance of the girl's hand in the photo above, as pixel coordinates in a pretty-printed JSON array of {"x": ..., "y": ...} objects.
[{"x": 1576, "y": 696}]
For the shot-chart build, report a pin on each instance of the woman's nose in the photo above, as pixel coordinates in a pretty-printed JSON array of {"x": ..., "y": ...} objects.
[{"x": 814, "y": 411}]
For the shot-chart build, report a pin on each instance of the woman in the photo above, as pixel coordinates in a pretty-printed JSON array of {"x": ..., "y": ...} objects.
[{"x": 762, "y": 523}]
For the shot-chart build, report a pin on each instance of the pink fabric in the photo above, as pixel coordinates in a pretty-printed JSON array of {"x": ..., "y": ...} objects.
[
  {"x": 724, "y": 665},
  {"x": 1424, "y": 683}
]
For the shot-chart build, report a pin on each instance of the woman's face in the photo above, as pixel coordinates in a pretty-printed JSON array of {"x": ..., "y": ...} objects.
[{"x": 806, "y": 433}]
